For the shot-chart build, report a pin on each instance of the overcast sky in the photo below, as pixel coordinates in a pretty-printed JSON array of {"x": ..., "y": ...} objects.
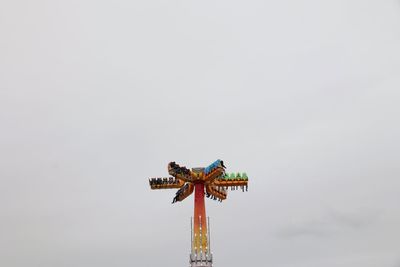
[{"x": 98, "y": 96}]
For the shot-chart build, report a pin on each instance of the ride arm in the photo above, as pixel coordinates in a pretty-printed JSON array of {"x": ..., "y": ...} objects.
[
  {"x": 165, "y": 183},
  {"x": 213, "y": 174},
  {"x": 232, "y": 180},
  {"x": 179, "y": 172},
  {"x": 213, "y": 171},
  {"x": 184, "y": 192},
  {"x": 218, "y": 192}
]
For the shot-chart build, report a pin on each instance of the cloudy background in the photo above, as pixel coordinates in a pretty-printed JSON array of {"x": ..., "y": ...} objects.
[{"x": 98, "y": 96}]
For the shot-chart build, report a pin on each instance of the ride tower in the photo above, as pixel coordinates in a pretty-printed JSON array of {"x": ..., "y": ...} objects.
[{"x": 212, "y": 182}]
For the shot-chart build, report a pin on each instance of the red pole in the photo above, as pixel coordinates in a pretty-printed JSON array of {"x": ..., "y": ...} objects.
[{"x": 200, "y": 222}]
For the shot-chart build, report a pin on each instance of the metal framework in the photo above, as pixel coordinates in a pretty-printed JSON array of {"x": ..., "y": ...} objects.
[{"x": 212, "y": 182}]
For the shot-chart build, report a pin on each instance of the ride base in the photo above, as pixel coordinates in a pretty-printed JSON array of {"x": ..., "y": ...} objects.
[
  {"x": 201, "y": 260},
  {"x": 200, "y": 256}
]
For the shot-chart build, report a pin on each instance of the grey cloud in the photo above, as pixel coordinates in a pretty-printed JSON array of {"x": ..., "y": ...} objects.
[
  {"x": 333, "y": 222},
  {"x": 312, "y": 229},
  {"x": 356, "y": 219}
]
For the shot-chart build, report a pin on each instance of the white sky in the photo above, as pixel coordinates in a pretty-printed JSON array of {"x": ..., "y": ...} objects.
[{"x": 98, "y": 96}]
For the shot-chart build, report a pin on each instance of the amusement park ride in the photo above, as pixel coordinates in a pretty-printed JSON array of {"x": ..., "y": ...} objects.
[{"x": 212, "y": 182}]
